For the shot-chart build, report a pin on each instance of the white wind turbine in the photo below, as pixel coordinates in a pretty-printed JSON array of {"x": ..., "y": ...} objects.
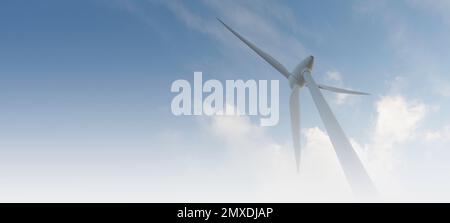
[{"x": 352, "y": 166}]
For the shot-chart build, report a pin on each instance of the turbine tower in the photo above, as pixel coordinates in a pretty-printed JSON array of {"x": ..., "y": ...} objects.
[{"x": 354, "y": 171}]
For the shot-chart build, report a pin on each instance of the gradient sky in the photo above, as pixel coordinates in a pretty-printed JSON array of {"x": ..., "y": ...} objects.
[{"x": 85, "y": 99}]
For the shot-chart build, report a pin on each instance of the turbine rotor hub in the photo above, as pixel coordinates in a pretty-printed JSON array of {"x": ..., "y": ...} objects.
[{"x": 296, "y": 79}]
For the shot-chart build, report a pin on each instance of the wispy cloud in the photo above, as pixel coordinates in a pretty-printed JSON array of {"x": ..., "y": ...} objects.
[
  {"x": 334, "y": 78},
  {"x": 439, "y": 7},
  {"x": 266, "y": 23},
  {"x": 442, "y": 134}
]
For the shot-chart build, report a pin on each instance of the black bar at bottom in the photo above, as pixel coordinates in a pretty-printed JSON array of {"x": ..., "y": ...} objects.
[{"x": 227, "y": 212}]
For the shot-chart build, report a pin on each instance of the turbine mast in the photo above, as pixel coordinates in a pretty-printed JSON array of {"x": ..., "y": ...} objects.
[{"x": 354, "y": 171}]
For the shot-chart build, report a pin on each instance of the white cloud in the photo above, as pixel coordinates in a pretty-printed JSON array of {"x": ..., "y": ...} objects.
[
  {"x": 396, "y": 124},
  {"x": 397, "y": 119},
  {"x": 442, "y": 134},
  {"x": 333, "y": 76},
  {"x": 255, "y": 158}
]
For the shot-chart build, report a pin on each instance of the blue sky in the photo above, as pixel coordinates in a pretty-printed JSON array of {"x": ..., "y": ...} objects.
[{"x": 85, "y": 97}]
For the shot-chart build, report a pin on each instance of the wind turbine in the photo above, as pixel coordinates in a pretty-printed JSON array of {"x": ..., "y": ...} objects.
[{"x": 356, "y": 175}]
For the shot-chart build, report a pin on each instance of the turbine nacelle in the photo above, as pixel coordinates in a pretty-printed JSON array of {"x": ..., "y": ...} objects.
[{"x": 296, "y": 77}]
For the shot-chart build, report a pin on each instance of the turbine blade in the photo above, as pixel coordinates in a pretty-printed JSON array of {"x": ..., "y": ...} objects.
[
  {"x": 269, "y": 59},
  {"x": 294, "y": 107},
  {"x": 352, "y": 166},
  {"x": 340, "y": 90}
]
